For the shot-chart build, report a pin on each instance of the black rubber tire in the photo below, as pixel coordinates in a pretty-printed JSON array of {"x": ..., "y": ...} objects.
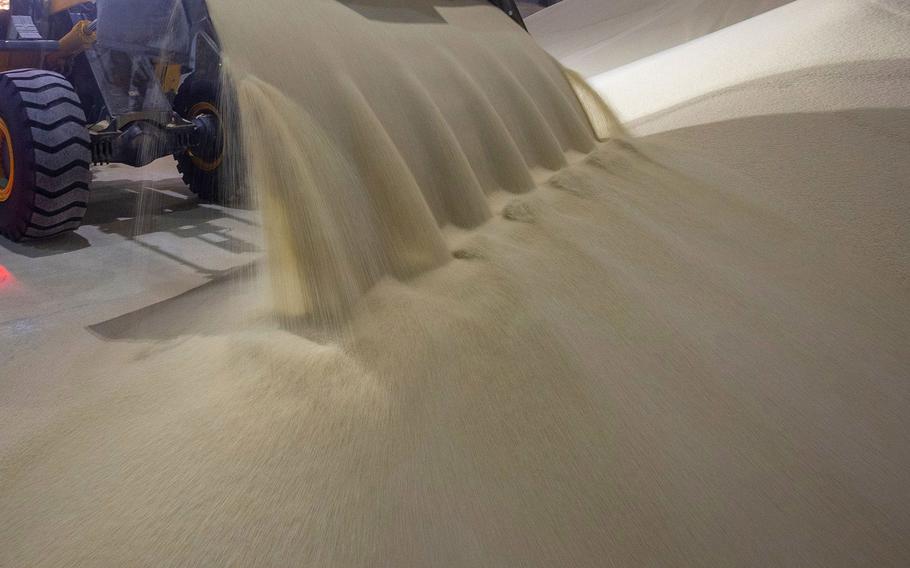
[
  {"x": 222, "y": 184},
  {"x": 52, "y": 153}
]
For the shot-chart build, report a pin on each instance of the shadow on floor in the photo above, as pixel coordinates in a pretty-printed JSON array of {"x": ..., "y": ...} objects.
[
  {"x": 61, "y": 244},
  {"x": 395, "y": 11},
  {"x": 168, "y": 319},
  {"x": 131, "y": 209}
]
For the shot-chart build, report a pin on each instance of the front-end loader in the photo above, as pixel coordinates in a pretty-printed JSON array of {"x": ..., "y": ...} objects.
[{"x": 107, "y": 81}]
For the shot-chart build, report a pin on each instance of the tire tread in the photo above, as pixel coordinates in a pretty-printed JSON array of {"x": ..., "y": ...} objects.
[{"x": 61, "y": 151}]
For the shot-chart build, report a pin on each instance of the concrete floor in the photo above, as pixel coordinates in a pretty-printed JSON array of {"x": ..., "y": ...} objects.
[{"x": 145, "y": 238}]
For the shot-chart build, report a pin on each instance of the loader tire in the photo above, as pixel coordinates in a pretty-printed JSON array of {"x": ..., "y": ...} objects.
[
  {"x": 45, "y": 155},
  {"x": 212, "y": 172}
]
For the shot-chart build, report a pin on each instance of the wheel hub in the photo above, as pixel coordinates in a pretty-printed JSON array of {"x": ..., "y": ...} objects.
[
  {"x": 7, "y": 162},
  {"x": 209, "y": 153}
]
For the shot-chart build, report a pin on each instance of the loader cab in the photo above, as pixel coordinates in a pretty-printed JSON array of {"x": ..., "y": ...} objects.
[{"x": 21, "y": 42}]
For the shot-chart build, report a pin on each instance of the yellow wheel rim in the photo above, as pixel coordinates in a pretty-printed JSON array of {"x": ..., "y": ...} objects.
[
  {"x": 200, "y": 109},
  {"x": 7, "y": 162}
]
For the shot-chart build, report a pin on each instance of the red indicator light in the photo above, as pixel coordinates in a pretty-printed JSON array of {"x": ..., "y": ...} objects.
[{"x": 7, "y": 280}]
